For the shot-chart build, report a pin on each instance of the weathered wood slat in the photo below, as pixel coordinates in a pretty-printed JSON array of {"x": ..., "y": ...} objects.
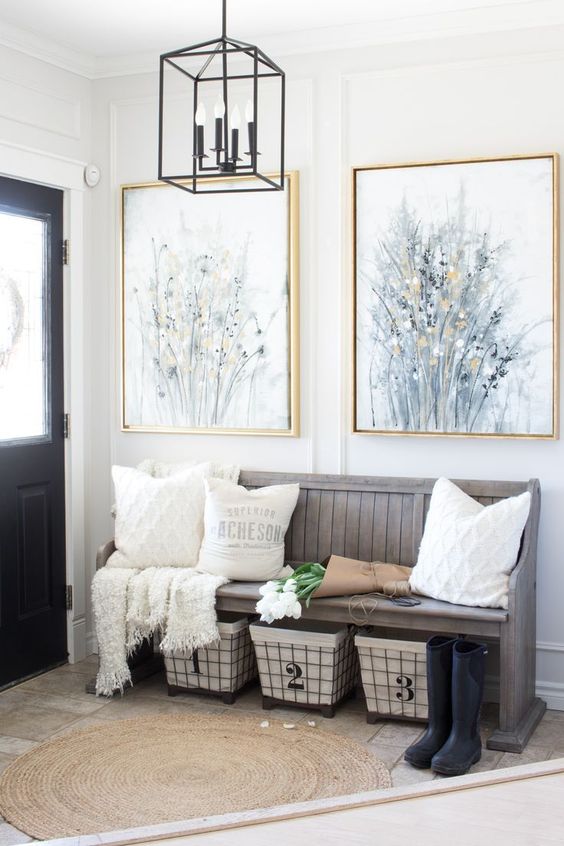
[
  {"x": 311, "y": 541},
  {"x": 418, "y": 520},
  {"x": 380, "y": 527},
  {"x": 352, "y": 525},
  {"x": 339, "y": 523},
  {"x": 325, "y": 528},
  {"x": 406, "y": 539},
  {"x": 383, "y": 484},
  {"x": 366, "y": 525},
  {"x": 393, "y": 534},
  {"x": 296, "y": 530}
]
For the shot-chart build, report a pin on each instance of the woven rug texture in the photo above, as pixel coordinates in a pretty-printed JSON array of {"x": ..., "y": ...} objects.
[{"x": 158, "y": 769}]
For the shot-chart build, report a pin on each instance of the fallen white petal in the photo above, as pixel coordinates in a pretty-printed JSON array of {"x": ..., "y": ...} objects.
[
  {"x": 289, "y": 725},
  {"x": 311, "y": 723},
  {"x": 265, "y": 724}
]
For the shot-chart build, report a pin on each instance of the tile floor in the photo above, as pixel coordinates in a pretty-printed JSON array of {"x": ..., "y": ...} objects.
[{"x": 56, "y": 702}]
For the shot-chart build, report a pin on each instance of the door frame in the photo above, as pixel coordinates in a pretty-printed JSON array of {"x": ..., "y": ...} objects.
[{"x": 19, "y": 162}]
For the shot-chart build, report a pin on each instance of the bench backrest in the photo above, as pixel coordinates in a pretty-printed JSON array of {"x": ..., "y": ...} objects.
[{"x": 366, "y": 517}]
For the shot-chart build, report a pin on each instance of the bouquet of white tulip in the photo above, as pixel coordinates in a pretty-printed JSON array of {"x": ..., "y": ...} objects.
[
  {"x": 283, "y": 597},
  {"x": 337, "y": 576}
]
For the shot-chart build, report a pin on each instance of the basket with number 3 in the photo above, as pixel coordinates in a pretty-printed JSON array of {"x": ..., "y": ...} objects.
[
  {"x": 394, "y": 677},
  {"x": 222, "y": 670},
  {"x": 306, "y": 663}
]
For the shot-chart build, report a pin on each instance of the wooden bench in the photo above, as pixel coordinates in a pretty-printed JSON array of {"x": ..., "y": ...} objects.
[{"x": 371, "y": 518}]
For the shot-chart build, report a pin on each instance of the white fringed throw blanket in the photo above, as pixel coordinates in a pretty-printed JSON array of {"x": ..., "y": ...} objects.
[{"x": 130, "y": 605}]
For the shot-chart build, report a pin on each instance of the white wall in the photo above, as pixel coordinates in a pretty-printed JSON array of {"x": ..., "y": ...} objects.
[{"x": 433, "y": 100}]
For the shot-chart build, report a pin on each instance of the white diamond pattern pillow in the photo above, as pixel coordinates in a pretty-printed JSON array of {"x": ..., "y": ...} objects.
[
  {"x": 468, "y": 550},
  {"x": 245, "y": 530},
  {"x": 163, "y": 469},
  {"x": 159, "y": 522}
]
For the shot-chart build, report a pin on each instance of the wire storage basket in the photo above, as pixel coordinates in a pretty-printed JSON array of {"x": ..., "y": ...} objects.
[
  {"x": 306, "y": 663},
  {"x": 223, "y": 669},
  {"x": 394, "y": 677}
]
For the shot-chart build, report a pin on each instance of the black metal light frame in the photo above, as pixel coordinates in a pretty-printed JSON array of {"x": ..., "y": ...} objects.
[{"x": 227, "y": 166}]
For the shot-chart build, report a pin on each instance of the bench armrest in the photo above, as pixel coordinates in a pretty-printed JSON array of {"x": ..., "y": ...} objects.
[
  {"x": 104, "y": 553},
  {"x": 526, "y": 563}
]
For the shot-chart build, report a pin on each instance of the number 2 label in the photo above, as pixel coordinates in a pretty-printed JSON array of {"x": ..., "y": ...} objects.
[{"x": 295, "y": 671}]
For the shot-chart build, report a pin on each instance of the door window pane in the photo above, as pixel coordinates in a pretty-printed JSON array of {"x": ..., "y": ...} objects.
[{"x": 23, "y": 400}]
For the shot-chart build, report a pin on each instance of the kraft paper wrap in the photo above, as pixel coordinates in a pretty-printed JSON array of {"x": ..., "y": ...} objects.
[{"x": 348, "y": 577}]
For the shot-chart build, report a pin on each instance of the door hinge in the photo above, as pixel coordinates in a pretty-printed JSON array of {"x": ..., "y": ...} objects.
[
  {"x": 66, "y": 425},
  {"x": 66, "y": 251},
  {"x": 68, "y": 597}
]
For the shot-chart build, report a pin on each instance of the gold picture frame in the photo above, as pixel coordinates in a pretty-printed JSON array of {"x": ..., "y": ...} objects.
[
  {"x": 551, "y": 296},
  {"x": 286, "y": 297}
]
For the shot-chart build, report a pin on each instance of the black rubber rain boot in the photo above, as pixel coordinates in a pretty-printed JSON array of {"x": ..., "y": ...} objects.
[
  {"x": 464, "y": 746},
  {"x": 439, "y": 687}
]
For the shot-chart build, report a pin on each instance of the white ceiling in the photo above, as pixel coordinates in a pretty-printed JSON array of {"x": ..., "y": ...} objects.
[
  {"x": 122, "y": 27},
  {"x": 113, "y": 37}
]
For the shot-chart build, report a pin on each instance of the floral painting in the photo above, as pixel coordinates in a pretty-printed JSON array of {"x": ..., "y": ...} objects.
[
  {"x": 454, "y": 298},
  {"x": 209, "y": 302}
]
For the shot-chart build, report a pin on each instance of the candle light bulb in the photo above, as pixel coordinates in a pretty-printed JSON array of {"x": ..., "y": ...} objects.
[
  {"x": 250, "y": 111},
  {"x": 235, "y": 118},
  {"x": 200, "y": 115},
  {"x": 219, "y": 108}
]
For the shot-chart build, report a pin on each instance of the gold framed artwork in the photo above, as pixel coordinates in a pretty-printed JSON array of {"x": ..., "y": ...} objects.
[
  {"x": 455, "y": 281},
  {"x": 210, "y": 311}
]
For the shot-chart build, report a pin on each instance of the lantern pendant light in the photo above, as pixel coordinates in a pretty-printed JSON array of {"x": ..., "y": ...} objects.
[{"x": 229, "y": 79}]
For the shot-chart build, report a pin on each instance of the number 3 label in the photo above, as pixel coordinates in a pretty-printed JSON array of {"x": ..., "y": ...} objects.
[{"x": 406, "y": 694}]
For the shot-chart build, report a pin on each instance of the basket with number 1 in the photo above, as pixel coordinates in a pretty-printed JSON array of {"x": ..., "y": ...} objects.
[
  {"x": 307, "y": 663},
  {"x": 222, "y": 669}
]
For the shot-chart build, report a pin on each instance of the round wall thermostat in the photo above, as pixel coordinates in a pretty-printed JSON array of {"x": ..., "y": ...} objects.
[{"x": 91, "y": 175}]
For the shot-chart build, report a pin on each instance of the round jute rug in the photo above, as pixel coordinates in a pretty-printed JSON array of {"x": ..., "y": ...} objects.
[{"x": 167, "y": 768}]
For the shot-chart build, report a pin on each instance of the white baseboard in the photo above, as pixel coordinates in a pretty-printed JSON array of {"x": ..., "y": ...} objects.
[
  {"x": 91, "y": 644},
  {"x": 552, "y": 693},
  {"x": 77, "y": 640}
]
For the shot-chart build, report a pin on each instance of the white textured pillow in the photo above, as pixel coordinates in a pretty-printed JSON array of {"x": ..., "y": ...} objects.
[
  {"x": 159, "y": 522},
  {"x": 244, "y": 530},
  {"x": 163, "y": 469},
  {"x": 468, "y": 550}
]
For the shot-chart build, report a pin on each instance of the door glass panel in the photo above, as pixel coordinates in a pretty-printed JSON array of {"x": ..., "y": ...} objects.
[{"x": 23, "y": 365}]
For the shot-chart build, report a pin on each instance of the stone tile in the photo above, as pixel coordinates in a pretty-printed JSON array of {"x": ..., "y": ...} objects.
[
  {"x": 18, "y": 697},
  {"x": 15, "y": 745},
  {"x": 396, "y": 733},
  {"x": 489, "y": 761},
  {"x": 125, "y": 708},
  {"x": 550, "y": 715},
  {"x": 403, "y": 773},
  {"x": 59, "y": 683},
  {"x": 10, "y": 836},
  {"x": 549, "y": 734},
  {"x": 33, "y": 722},
  {"x": 349, "y": 723},
  {"x": 530, "y": 755},
  {"x": 389, "y": 755}
]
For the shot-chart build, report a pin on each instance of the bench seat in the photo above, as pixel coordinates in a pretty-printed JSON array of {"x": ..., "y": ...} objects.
[{"x": 432, "y": 614}]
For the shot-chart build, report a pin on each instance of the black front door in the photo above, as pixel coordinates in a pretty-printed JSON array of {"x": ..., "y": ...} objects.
[{"x": 32, "y": 482}]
